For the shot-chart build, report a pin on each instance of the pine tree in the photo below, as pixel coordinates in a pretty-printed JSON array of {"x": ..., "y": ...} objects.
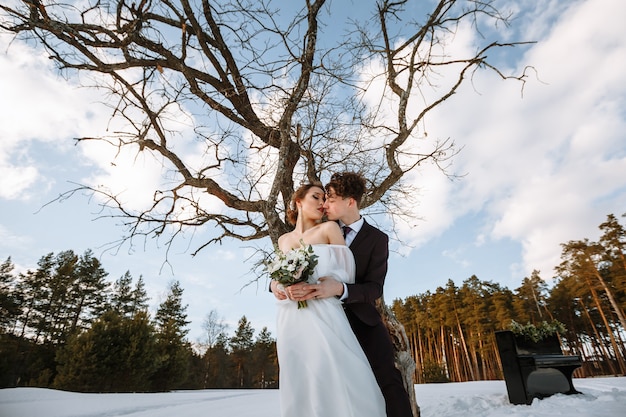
[
  {"x": 613, "y": 240},
  {"x": 241, "y": 347},
  {"x": 64, "y": 295},
  {"x": 264, "y": 364},
  {"x": 121, "y": 296},
  {"x": 220, "y": 372},
  {"x": 175, "y": 352},
  {"x": 88, "y": 293},
  {"x": 579, "y": 261},
  {"x": 33, "y": 288},
  {"x": 529, "y": 301},
  {"x": 117, "y": 354},
  {"x": 126, "y": 299},
  {"x": 139, "y": 297},
  {"x": 9, "y": 298},
  {"x": 54, "y": 322}
]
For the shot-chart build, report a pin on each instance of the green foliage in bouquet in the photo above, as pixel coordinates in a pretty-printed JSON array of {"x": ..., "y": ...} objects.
[{"x": 292, "y": 267}]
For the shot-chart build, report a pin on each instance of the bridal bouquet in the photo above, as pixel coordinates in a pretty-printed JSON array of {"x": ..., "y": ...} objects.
[{"x": 292, "y": 267}]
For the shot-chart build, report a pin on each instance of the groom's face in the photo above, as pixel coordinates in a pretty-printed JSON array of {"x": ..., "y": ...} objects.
[{"x": 336, "y": 207}]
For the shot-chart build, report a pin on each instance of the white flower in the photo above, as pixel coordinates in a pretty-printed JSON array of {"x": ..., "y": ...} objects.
[{"x": 292, "y": 267}]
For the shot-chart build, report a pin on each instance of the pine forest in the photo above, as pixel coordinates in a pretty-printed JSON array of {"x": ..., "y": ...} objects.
[{"x": 65, "y": 325}]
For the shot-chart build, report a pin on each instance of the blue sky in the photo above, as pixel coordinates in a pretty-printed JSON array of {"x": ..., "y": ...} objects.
[{"x": 539, "y": 169}]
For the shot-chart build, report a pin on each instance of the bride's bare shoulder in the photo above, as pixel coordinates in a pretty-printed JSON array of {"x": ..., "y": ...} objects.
[
  {"x": 324, "y": 229},
  {"x": 329, "y": 226},
  {"x": 286, "y": 241}
]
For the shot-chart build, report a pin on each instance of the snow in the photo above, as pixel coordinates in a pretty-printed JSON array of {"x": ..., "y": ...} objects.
[{"x": 600, "y": 397}]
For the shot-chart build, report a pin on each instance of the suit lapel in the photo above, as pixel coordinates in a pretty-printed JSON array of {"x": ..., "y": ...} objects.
[
  {"x": 360, "y": 237},
  {"x": 359, "y": 248}
]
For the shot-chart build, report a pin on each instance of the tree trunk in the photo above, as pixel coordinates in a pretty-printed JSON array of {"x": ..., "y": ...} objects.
[
  {"x": 609, "y": 295},
  {"x": 404, "y": 360},
  {"x": 464, "y": 343},
  {"x": 609, "y": 330},
  {"x": 419, "y": 354}
]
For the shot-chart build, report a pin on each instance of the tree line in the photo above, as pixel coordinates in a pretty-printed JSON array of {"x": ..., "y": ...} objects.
[
  {"x": 63, "y": 325},
  {"x": 451, "y": 330}
]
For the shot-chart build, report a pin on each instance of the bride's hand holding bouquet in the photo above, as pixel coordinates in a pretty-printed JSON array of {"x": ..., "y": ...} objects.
[{"x": 295, "y": 266}]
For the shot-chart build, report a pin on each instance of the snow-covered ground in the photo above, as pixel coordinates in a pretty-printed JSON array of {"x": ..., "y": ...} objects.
[{"x": 602, "y": 397}]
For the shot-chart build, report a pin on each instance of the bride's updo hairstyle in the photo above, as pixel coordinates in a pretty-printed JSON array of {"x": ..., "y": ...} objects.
[
  {"x": 298, "y": 195},
  {"x": 347, "y": 184}
]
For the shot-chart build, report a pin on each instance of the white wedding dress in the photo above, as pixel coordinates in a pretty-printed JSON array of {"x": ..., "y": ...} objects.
[{"x": 323, "y": 370}]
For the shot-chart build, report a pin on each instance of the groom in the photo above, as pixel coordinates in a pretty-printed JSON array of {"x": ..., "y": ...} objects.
[{"x": 370, "y": 248}]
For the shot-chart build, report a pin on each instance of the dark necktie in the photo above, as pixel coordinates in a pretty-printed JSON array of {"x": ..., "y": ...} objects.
[{"x": 346, "y": 230}]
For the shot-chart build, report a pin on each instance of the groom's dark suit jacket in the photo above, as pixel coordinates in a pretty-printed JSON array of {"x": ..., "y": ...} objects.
[
  {"x": 370, "y": 248},
  {"x": 371, "y": 251}
]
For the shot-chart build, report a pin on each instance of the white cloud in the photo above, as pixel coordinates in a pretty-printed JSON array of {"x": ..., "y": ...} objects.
[
  {"x": 15, "y": 179},
  {"x": 547, "y": 167},
  {"x": 436, "y": 210},
  {"x": 10, "y": 241},
  {"x": 581, "y": 113},
  {"x": 57, "y": 111},
  {"x": 38, "y": 107},
  {"x": 223, "y": 255}
]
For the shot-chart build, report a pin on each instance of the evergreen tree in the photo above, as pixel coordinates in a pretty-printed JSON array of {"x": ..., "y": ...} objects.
[
  {"x": 220, "y": 372},
  {"x": 88, "y": 293},
  {"x": 25, "y": 362},
  {"x": 613, "y": 240},
  {"x": 477, "y": 306},
  {"x": 65, "y": 294},
  {"x": 11, "y": 360},
  {"x": 566, "y": 306},
  {"x": 32, "y": 287},
  {"x": 173, "y": 349},
  {"x": 139, "y": 297},
  {"x": 171, "y": 316},
  {"x": 195, "y": 374},
  {"x": 529, "y": 302},
  {"x": 462, "y": 359},
  {"x": 9, "y": 298},
  {"x": 450, "y": 331},
  {"x": 264, "y": 364},
  {"x": 241, "y": 347},
  {"x": 55, "y": 310},
  {"x": 128, "y": 300},
  {"x": 121, "y": 296},
  {"x": 579, "y": 262},
  {"x": 117, "y": 354}
]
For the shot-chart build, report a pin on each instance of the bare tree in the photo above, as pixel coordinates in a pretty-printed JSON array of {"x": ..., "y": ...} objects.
[
  {"x": 271, "y": 92},
  {"x": 214, "y": 327}
]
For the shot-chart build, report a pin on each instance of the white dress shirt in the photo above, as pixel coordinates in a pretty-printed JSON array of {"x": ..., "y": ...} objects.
[{"x": 354, "y": 229}]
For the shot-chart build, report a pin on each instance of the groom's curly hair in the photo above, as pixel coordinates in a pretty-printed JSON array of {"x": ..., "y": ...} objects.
[{"x": 347, "y": 184}]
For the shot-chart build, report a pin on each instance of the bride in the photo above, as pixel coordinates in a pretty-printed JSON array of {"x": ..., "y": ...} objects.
[{"x": 323, "y": 370}]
